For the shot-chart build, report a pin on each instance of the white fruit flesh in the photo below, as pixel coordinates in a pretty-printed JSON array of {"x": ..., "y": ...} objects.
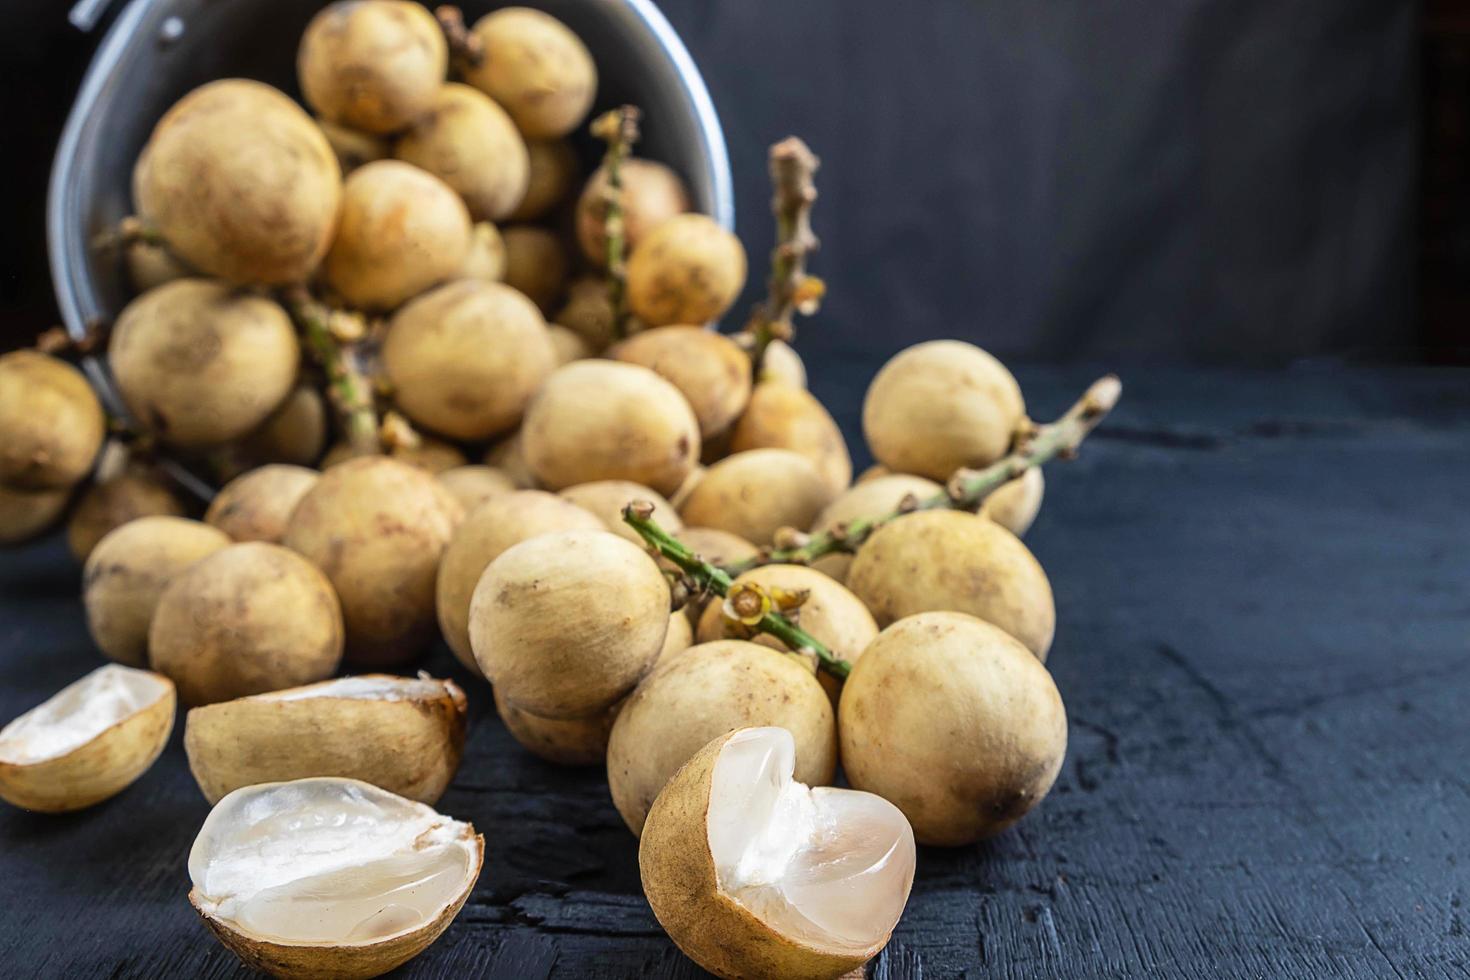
[
  {"x": 79, "y": 713},
  {"x": 830, "y": 867},
  {"x": 332, "y": 861},
  {"x": 370, "y": 687}
]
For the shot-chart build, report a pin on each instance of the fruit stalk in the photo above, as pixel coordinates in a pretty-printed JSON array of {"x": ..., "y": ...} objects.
[
  {"x": 792, "y": 166},
  {"x": 619, "y": 129},
  {"x": 464, "y": 44},
  {"x": 967, "y": 488},
  {"x": 351, "y": 393},
  {"x": 639, "y": 516}
]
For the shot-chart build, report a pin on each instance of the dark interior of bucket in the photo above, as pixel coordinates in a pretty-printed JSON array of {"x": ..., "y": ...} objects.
[{"x": 167, "y": 47}]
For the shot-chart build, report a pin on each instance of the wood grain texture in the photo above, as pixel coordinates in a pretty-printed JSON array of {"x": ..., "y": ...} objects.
[{"x": 1263, "y": 643}]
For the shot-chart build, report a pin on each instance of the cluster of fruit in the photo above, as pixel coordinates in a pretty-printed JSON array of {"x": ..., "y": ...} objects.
[{"x": 662, "y": 565}]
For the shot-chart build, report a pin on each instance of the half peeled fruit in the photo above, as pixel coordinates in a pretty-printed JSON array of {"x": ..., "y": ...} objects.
[
  {"x": 330, "y": 877},
  {"x": 753, "y": 874}
]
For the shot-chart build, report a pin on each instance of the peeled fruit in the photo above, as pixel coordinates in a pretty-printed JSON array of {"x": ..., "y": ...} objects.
[
  {"x": 104, "y": 506},
  {"x": 781, "y": 416},
  {"x": 241, "y": 184},
  {"x": 756, "y": 493},
  {"x": 250, "y": 618},
  {"x": 377, "y": 527},
  {"x": 940, "y": 406},
  {"x": 868, "y": 498},
  {"x": 256, "y": 505},
  {"x": 568, "y": 344},
  {"x": 433, "y": 456},
  {"x": 686, "y": 270},
  {"x": 603, "y": 420},
  {"x": 330, "y": 877},
  {"x": 200, "y": 363},
  {"x": 587, "y": 312},
  {"x": 127, "y": 572},
  {"x": 1015, "y": 505},
  {"x": 707, "y": 691},
  {"x": 473, "y": 485},
  {"x": 296, "y": 432},
  {"x": 606, "y": 499},
  {"x": 830, "y": 613},
  {"x": 652, "y": 194},
  {"x": 485, "y": 259},
  {"x": 754, "y": 874},
  {"x": 353, "y": 147},
  {"x": 402, "y": 734},
  {"x": 51, "y": 423},
  {"x": 562, "y": 742},
  {"x": 709, "y": 369},
  {"x": 536, "y": 68},
  {"x": 566, "y": 623},
  {"x": 955, "y": 723},
  {"x": 783, "y": 364},
  {"x": 536, "y": 264},
  {"x": 951, "y": 560},
  {"x": 89, "y": 741},
  {"x": 464, "y": 358},
  {"x": 401, "y": 231},
  {"x": 553, "y": 171},
  {"x": 470, "y": 143},
  {"x": 26, "y": 513},
  {"x": 374, "y": 65},
  {"x": 488, "y": 530}
]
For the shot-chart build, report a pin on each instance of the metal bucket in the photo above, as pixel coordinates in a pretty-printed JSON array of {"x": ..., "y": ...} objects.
[{"x": 158, "y": 50}]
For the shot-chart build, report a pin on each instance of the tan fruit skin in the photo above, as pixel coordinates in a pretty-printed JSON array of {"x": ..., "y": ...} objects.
[
  {"x": 51, "y": 420},
  {"x": 409, "y": 747},
  {"x": 400, "y": 231},
  {"x": 756, "y": 493},
  {"x": 941, "y": 405},
  {"x": 377, "y": 528},
  {"x": 780, "y": 416},
  {"x": 465, "y": 358},
  {"x": 606, "y": 499},
  {"x": 257, "y": 505},
  {"x": 26, "y": 513},
  {"x": 433, "y": 456},
  {"x": 105, "y": 507},
  {"x": 562, "y": 742},
  {"x": 831, "y": 613},
  {"x": 951, "y": 560},
  {"x": 553, "y": 171},
  {"x": 652, "y": 194},
  {"x": 1015, "y": 505},
  {"x": 471, "y": 144},
  {"x": 485, "y": 259},
  {"x": 127, "y": 572},
  {"x": 867, "y": 498},
  {"x": 357, "y": 961},
  {"x": 374, "y": 65},
  {"x": 565, "y": 624},
  {"x": 688, "y": 270},
  {"x": 536, "y": 264},
  {"x": 537, "y": 69},
  {"x": 604, "y": 420},
  {"x": 251, "y": 618},
  {"x": 718, "y": 548},
  {"x": 96, "y": 771},
  {"x": 241, "y": 183},
  {"x": 296, "y": 432},
  {"x": 488, "y": 530},
  {"x": 568, "y": 343},
  {"x": 955, "y": 723},
  {"x": 353, "y": 147},
  {"x": 784, "y": 365},
  {"x": 708, "y": 368},
  {"x": 473, "y": 485},
  {"x": 199, "y": 363},
  {"x": 709, "y": 690},
  {"x": 681, "y": 884}
]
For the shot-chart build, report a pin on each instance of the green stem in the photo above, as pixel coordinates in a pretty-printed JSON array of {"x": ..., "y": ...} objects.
[
  {"x": 639, "y": 516},
  {"x": 619, "y": 129},
  {"x": 792, "y": 165},
  {"x": 349, "y": 390},
  {"x": 966, "y": 489}
]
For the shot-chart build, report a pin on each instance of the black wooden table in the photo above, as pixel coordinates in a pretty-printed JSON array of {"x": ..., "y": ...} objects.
[{"x": 1263, "y": 583}]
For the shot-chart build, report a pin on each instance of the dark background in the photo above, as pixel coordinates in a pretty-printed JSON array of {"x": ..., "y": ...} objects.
[{"x": 1244, "y": 181}]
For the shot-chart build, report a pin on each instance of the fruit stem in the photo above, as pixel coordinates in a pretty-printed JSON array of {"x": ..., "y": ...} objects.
[
  {"x": 639, "y": 516},
  {"x": 347, "y": 386},
  {"x": 464, "y": 44},
  {"x": 967, "y": 488},
  {"x": 619, "y": 129},
  {"x": 791, "y": 290}
]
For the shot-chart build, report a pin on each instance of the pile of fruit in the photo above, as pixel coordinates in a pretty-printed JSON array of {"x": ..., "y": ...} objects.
[{"x": 661, "y": 564}]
